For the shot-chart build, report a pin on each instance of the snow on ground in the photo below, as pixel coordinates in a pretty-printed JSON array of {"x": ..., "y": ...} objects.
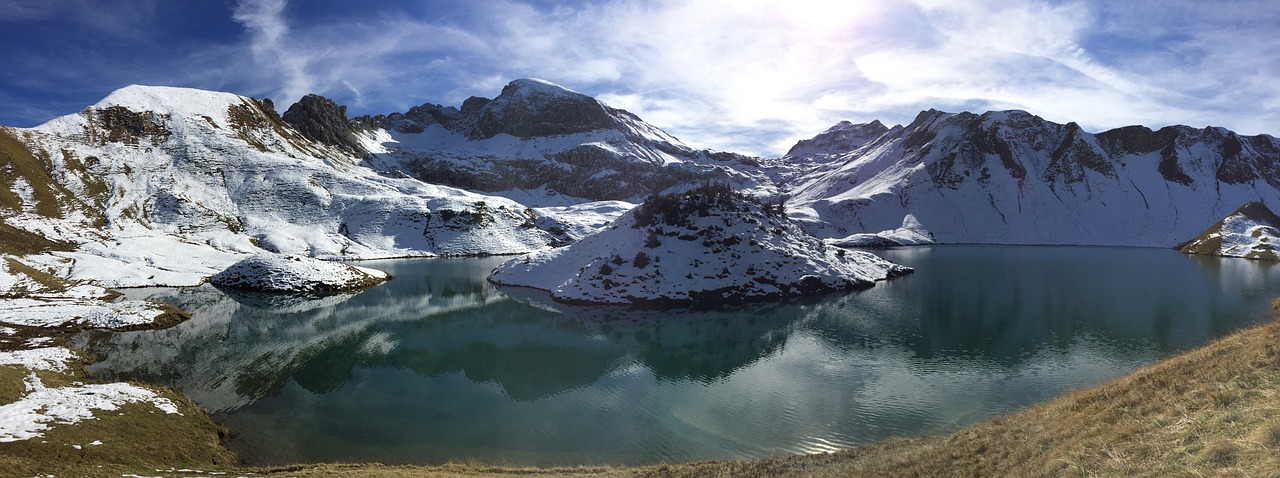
[
  {"x": 582, "y": 220},
  {"x": 43, "y": 406},
  {"x": 32, "y": 302},
  {"x": 57, "y": 312},
  {"x": 1252, "y": 231},
  {"x": 703, "y": 247},
  {"x": 1242, "y": 237},
  {"x": 53, "y": 359},
  {"x": 912, "y": 233},
  {"x": 280, "y": 273}
]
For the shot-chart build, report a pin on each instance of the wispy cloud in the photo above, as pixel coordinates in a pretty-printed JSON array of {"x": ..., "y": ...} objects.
[
  {"x": 267, "y": 29},
  {"x": 757, "y": 75},
  {"x": 750, "y": 76}
]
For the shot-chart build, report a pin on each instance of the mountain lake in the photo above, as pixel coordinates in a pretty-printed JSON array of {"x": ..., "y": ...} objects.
[{"x": 440, "y": 366}]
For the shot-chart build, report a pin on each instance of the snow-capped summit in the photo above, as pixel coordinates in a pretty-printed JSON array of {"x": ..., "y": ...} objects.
[
  {"x": 1010, "y": 177},
  {"x": 841, "y": 138},
  {"x": 170, "y": 185},
  {"x": 537, "y": 87},
  {"x": 545, "y": 143},
  {"x": 170, "y": 100}
]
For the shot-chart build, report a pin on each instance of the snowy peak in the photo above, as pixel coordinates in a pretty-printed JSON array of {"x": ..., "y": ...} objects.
[
  {"x": 841, "y": 138},
  {"x": 1251, "y": 232},
  {"x": 546, "y": 145},
  {"x": 534, "y": 108},
  {"x": 169, "y": 100},
  {"x": 1015, "y": 178},
  {"x": 536, "y": 87}
]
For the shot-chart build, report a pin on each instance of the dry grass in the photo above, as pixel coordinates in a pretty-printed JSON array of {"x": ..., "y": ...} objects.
[
  {"x": 19, "y": 162},
  {"x": 135, "y": 439}
]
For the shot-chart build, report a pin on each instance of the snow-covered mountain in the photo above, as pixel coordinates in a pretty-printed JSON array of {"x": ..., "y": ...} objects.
[
  {"x": 1013, "y": 178},
  {"x": 1252, "y": 232},
  {"x": 159, "y": 185},
  {"x": 708, "y": 246},
  {"x": 542, "y": 144}
]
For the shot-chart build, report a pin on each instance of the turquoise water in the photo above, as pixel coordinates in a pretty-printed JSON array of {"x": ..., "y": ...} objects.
[{"x": 438, "y": 365}]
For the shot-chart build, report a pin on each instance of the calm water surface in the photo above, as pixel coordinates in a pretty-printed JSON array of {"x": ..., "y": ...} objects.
[{"x": 438, "y": 365}]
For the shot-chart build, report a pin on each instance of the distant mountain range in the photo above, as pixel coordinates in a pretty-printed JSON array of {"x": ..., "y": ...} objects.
[{"x": 159, "y": 185}]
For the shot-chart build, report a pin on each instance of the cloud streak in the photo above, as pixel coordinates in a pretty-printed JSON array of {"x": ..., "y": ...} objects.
[{"x": 756, "y": 75}]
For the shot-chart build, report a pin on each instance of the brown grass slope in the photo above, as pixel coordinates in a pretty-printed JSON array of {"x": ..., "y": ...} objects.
[
  {"x": 49, "y": 198},
  {"x": 1209, "y": 242},
  {"x": 1214, "y": 411},
  {"x": 136, "y": 438}
]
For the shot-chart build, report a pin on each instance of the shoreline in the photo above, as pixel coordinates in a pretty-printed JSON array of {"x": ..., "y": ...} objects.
[{"x": 1208, "y": 410}]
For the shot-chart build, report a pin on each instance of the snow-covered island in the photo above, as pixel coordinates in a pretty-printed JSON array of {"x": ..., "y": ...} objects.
[
  {"x": 1251, "y": 232},
  {"x": 709, "y": 246},
  {"x": 296, "y": 274}
]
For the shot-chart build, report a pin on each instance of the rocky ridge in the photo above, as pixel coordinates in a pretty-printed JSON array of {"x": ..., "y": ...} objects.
[
  {"x": 1009, "y": 177},
  {"x": 547, "y": 145}
]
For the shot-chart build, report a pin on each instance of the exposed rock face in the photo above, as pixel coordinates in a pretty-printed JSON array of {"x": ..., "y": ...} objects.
[
  {"x": 706, "y": 247},
  {"x": 841, "y": 138},
  {"x": 529, "y": 108},
  {"x": 122, "y": 125},
  {"x": 320, "y": 119},
  {"x": 1009, "y": 177},
  {"x": 1251, "y": 232},
  {"x": 539, "y": 136},
  {"x": 525, "y": 109},
  {"x": 295, "y": 274}
]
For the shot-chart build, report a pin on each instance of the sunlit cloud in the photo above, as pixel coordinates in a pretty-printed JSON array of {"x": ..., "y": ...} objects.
[{"x": 752, "y": 76}]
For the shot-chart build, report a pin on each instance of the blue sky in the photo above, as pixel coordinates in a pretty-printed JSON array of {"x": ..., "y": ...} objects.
[{"x": 751, "y": 75}]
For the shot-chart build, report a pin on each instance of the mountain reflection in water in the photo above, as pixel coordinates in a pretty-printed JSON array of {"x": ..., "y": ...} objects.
[{"x": 439, "y": 365}]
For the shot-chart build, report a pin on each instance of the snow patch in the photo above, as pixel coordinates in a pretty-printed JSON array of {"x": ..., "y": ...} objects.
[
  {"x": 65, "y": 312},
  {"x": 42, "y": 407},
  {"x": 53, "y": 359}
]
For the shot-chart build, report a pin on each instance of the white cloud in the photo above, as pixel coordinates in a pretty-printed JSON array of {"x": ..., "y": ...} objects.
[
  {"x": 267, "y": 29},
  {"x": 756, "y": 75}
]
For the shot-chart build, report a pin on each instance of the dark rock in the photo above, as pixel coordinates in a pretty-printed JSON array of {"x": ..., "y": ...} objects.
[
  {"x": 122, "y": 125},
  {"x": 320, "y": 119},
  {"x": 841, "y": 138}
]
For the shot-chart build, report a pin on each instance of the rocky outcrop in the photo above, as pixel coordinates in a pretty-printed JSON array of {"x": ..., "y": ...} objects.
[
  {"x": 296, "y": 274},
  {"x": 709, "y": 247},
  {"x": 841, "y": 138},
  {"x": 1251, "y": 232},
  {"x": 320, "y": 119},
  {"x": 536, "y": 135}
]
